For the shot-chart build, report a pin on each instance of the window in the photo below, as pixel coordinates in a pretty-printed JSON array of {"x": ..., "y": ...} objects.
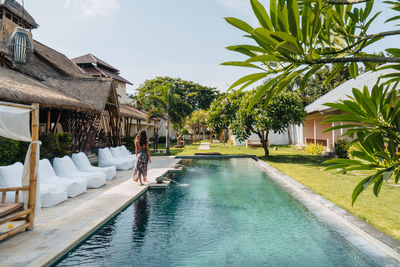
[{"x": 116, "y": 85}]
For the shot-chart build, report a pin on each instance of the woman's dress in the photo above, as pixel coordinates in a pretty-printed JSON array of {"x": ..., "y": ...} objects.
[{"x": 141, "y": 163}]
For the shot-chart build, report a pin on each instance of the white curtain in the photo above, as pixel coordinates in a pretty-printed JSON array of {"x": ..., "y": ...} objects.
[{"x": 15, "y": 124}]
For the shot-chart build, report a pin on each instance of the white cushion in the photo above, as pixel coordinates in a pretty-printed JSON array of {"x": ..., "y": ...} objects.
[
  {"x": 48, "y": 176},
  {"x": 11, "y": 176},
  {"x": 106, "y": 159},
  {"x": 64, "y": 167},
  {"x": 82, "y": 163}
]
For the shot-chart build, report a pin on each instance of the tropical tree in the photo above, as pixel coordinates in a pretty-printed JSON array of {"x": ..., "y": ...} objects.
[
  {"x": 198, "y": 96},
  {"x": 297, "y": 38},
  {"x": 197, "y": 122},
  {"x": 300, "y": 37},
  {"x": 373, "y": 123},
  {"x": 222, "y": 112},
  {"x": 283, "y": 110},
  {"x": 165, "y": 103}
]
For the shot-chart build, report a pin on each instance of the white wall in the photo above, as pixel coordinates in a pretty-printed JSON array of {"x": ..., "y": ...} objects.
[{"x": 274, "y": 139}]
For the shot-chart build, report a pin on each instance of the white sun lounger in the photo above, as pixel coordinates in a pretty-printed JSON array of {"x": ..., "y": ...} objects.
[
  {"x": 48, "y": 176},
  {"x": 11, "y": 176},
  {"x": 117, "y": 153},
  {"x": 64, "y": 167},
  {"x": 106, "y": 159},
  {"x": 127, "y": 153},
  {"x": 82, "y": 163}
]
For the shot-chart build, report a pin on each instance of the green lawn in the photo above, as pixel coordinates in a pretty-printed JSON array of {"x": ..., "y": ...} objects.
[{"x": 382, "y": 212}]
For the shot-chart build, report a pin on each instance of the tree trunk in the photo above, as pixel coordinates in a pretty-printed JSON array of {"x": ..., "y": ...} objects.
[
  {"x": 265, "y": 145},
  {"x": 167, "y": 148},
  {"x": 226, "y": 133},
  {"x": 264, "y": 138}
]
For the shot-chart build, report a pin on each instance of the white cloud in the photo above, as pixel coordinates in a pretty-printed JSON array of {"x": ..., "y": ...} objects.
[{"x": 93, "y": 8}]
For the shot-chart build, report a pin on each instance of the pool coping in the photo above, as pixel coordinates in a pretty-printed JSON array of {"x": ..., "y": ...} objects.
[{"x": 356, "y": 228}]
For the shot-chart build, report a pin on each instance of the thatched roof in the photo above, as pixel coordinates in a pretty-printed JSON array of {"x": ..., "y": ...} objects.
[
  {"x": 58, "y": 61},
  {"x": 127, "y": 111},
  {"x": 92, "y": 91},
  {"x": 15, "y": 8},
  {"x": 19, "y": 88}
]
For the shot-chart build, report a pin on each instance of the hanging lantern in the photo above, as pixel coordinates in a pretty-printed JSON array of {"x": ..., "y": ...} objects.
[{"x": 20, "y": 46}]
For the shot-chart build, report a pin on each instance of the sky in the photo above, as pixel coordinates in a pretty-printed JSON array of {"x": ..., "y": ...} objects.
[{"x": 149, "y": 38}]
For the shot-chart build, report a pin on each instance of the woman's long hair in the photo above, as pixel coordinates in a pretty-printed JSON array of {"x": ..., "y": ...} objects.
[{"x": 142, "y": 138}]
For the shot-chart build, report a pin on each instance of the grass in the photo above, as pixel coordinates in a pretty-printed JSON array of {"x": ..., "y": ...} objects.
[{"x": 382, "y": 212}]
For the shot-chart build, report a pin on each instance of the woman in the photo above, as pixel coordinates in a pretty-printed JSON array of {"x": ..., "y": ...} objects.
[{"x": 142, "y": 157}]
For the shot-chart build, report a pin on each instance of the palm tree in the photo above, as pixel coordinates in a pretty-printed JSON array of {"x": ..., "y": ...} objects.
[{"x": 165, "y": 103}]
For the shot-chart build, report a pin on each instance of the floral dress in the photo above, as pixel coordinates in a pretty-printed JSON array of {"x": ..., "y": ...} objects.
[{"x": 141, "y": 163}]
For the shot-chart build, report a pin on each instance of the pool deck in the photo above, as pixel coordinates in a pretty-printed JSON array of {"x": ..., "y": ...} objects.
[{"x": 58, "y": 229}]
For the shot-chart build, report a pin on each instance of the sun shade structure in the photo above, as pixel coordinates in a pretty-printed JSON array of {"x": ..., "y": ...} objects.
[{"x": 10, "y": 212}]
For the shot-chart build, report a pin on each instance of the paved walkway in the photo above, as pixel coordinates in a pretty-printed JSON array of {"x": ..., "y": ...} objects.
[
  {"x": 58, "y": 228},
  {"x": 204, "y": 146}
]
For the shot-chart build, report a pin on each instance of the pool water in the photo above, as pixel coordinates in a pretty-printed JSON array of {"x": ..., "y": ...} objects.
[{"x": 231, "y": 214}]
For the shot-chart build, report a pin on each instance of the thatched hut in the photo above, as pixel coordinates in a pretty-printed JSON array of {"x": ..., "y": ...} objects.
[{"x": 70, "y": 100}]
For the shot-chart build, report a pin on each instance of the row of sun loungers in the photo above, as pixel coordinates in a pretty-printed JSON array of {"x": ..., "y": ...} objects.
[{"x": 69, "y": 176}]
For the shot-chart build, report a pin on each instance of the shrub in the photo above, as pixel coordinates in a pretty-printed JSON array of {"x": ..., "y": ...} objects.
[
  {"x": 64, "y": 144},
  {"x": 162, "y": 139},
  {"x": 55, "y": 145},
  {"x": 315, "y": 149},
  {"x": 9, "y": 151},
  {"x": 49, "y": 145},
  {"x": 341, "y": 149},
  {"x": 129, "y": 143}
]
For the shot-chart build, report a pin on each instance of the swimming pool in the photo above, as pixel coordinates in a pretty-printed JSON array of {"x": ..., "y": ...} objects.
[{"x": 231, "y": 214}]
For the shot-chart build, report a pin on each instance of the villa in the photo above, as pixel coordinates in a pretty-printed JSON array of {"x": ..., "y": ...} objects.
[{"x": 312, "y": 130}]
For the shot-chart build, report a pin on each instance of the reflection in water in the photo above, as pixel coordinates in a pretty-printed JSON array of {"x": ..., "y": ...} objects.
[{"x": 141, "y": 217}]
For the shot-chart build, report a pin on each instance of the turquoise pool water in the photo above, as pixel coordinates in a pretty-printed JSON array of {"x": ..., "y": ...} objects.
[{"x": 231, "y": 214}]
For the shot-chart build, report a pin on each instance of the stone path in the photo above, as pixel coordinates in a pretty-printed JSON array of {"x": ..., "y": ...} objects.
[
  {"x": 204, "y": 146},
  {"x": 58, "y": 228}
]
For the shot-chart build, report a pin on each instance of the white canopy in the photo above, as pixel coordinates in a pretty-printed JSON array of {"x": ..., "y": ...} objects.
[{"x": 15, "y": 124}]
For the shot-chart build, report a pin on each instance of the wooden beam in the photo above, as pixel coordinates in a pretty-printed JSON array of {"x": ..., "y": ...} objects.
[
  {"x": 58, "y": 120},
  {"x": 48, "y": 124},
  {"x": 32, "y": 171}
]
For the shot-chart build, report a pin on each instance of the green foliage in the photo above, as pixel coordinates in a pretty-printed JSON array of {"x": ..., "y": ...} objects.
[
  {"x": 373, "y": 122},
  {"x": 315, "y": 86},
  {"x": 197, "y": 121},
  {"x": 48, "y": 149},
  {"x": 341, "y": 148},
  {"x": 315, "y": 149},
  {"x": 223, "y": 111},
  {"x": 164, "y": 102},
  {"x": 294, "y": 39},
  {"x": 55, "y": 145},
  {"x": 10, "y": 151},
  {"x": 282, "y": 110},
  {"x": 198, "y": 96},
  {"x": 129, "y": 143}
]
